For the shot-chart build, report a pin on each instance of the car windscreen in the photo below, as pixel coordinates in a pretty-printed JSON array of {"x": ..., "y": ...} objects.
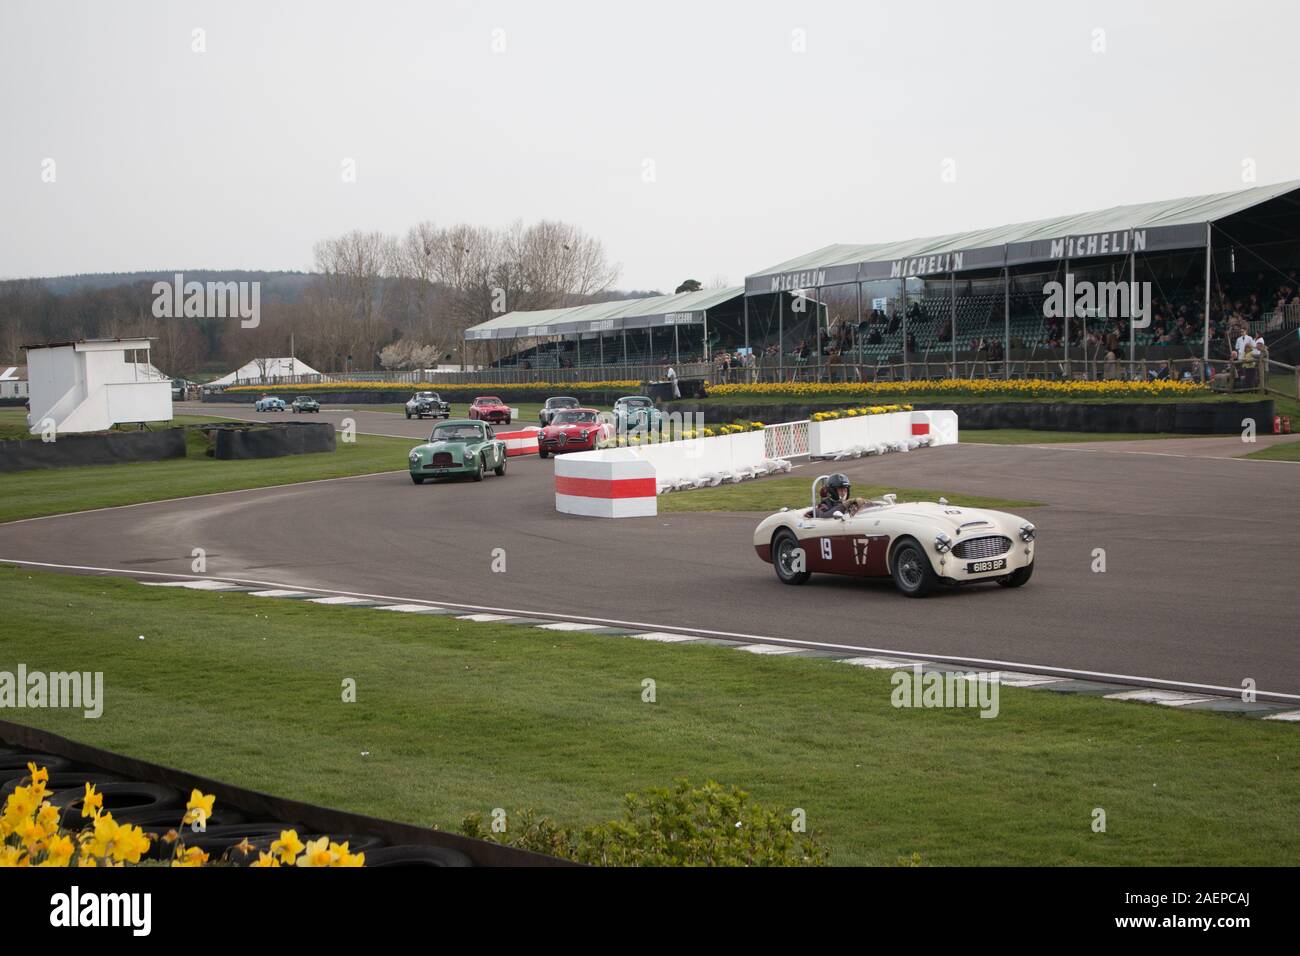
[
  {"x": 575, "y": 418},
  {"x": 457, "y": 433},
  {"x": 487, "y": 401},
  {"x": 637, "y": 402},
  {"x": 561, "y": 403},
  {"x": 426, "y": 396}
]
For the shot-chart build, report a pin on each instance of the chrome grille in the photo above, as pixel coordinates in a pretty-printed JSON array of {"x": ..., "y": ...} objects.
[
  {"x": 441, "y": 460},
  {"x": 989, "y": 546}
]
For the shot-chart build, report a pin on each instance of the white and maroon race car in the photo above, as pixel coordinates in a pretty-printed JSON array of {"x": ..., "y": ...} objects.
[
  {"x": 489, "y": 408},
  {"x": 573, "y": 429},
  {"x": 920, "y": 544}
]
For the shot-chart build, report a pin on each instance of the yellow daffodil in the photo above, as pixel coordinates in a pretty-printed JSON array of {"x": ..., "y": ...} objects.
[
  {"x": 92, "y": 802},
  {"x": 287, "y": 847},
  {"x": 130, "y": 844},
  {"x": 58, "y": 852},
  {"x": 317, "y": 853},
  {"x": 265, "y": 860},
  {"x": 199, "y": 808},
  {"x": 12, "y": 856},
  {"x": 193, "y": 856}
]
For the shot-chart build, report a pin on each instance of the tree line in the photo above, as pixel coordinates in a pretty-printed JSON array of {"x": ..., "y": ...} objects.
[{"x": 372, "y": 300}]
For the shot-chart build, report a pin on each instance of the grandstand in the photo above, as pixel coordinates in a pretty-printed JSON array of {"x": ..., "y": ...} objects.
[{"x": 966, "y": 303}]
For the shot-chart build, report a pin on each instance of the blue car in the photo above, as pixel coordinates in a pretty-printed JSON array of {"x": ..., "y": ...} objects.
[{"x": 268, "y": 403}]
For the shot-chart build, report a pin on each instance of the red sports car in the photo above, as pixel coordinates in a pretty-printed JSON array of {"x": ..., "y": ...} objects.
[
  {"x": 489, "y": 408},
  {"x": 573, "y": 429}
]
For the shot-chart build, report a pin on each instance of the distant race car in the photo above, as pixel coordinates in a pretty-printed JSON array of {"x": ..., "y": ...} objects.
[
  {"x": 456, "y": 448},
  {"x": 427, "y": 404},
  {"x": 921, "y": 545},
  {"x": 636, "y": 411},
  {"x": 269, "y": 403},
  {"x": 573, "y": 429},
  {"x": 305, "y": 403},
  {"x": 489, "y": 408},
  {"x": 552, "y": 406}
]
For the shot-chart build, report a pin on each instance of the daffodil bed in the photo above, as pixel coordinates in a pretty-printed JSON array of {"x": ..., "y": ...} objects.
[
  {"x": 982, "y": 388},
  {"x": 443, "y": 388},
  {"x": 454, "y": 718},
  {"x": 32, "y": 834}
]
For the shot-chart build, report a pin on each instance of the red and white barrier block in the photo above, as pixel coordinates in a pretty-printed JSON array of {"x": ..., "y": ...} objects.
[
  {"x": 608, "y": 484},
  {"x": 522, "y": 442}
]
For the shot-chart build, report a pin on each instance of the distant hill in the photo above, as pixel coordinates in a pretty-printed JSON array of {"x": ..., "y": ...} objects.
[{"x": 280, "y": 286}]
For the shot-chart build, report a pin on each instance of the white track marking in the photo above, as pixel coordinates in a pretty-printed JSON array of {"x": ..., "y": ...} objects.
[
  {"x": 1170, "y": 698},
  {"x": 191, "y": 585},
  {"x": 483, "y": 618},
  {"x": 768, "y": 649},
  {"x": 569, "y": 626},
  {"x": 686, "y": 633},
  {"x": 1012, "y": 679},
  {"x": 881, "y": 663},
  {"x": 337, "y": 600},
  {"x": 663, "y": 637},
  {"x": 278, "y": 592},
  {"x": 1290, "y": 716},
  {"x": 408, "y": 608}
]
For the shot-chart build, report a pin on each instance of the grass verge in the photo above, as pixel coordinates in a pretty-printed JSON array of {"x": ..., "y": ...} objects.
[
  {"x": 457, "y": 717},
  {"x": 772, "y": 494},
  {"x": 47, "y": 491},
  {"x": 1282, "y": 451},
  {"x": 1027, "y": 436}
]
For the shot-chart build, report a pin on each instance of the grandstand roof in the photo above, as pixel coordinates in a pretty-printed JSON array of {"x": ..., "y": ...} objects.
[
  {"x": 683, "y": 308},
  {"x": 1119, "y": 230}
]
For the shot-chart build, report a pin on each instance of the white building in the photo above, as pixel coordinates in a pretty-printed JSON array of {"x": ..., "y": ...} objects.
[
  {"x": 92, "y": 385},
  {"x": 13, "y": 383}
]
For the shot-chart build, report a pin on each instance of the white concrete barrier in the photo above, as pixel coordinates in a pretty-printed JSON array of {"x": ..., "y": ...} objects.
[
  {"x": 611, "y": 483},
  {"x": 874, "y": 434},
  {"x": 520, "y": 442}
]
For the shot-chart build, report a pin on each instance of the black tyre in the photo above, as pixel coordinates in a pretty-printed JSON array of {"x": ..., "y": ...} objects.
[
  {"x": 477, "y": 474},
  {"x": 416, "y": 856},
  {"x": 785, "y": 550},
  {"x": 500, "y": 469},
  {"x": 123, "y": 800},
  {"x": 910, "y": 566},
  {"x": 408, "y": 416},
  {"x": 1018, "y": 577}
]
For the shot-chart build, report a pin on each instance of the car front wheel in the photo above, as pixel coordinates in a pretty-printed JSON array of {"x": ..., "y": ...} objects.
[
  {"x": 789, "y": 559},
  {"x": 1018, "y": 577},
  {"x": 911, "y": 569},
  {"x": 477, "y": 473},
  {"x": 500, "y": 469}
]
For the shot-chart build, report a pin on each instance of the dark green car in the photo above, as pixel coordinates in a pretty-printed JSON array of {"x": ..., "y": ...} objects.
[
  {"x": 305, "y": 403},
  {"x": 457, "y": 448}
]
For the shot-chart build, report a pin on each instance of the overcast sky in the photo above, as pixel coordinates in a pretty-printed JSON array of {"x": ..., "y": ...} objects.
[{"x": 698, "y": 139}]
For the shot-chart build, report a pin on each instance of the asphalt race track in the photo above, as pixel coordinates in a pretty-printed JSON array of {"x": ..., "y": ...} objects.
[{"x": 1199, "y": 587}]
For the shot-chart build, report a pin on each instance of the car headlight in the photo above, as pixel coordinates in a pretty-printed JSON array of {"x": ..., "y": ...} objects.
[
  {"x": 942, "y": 543},
  {"x": 1027, "y": 532},
  {"x": 415, "y": 456}
]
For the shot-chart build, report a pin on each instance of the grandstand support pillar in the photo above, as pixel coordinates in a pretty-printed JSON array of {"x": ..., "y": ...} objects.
[
  {"x": 902, "y": 306},
  {"x": 1132, "y": 329},
  {"x": 817, "y": 330},
  {"x": 857, "y": 329},
  {"x": 1209, "y": 261},
  {"x": 780, "y": 336},
  {"x": 1065, "y": 335},
  {"x": 600, "y": 340},
  {"x": 650, "y": 343},
  {"x": 625, "y": 352},
  {"x": 1006, "y": 322},
  {"x": 578, "y": 339},
  {"x": 745, "y": 304},
  {"x": 705, "y": 350},
  {"x": 952, "y": 311},
  {"x": 677, "y": 348}
]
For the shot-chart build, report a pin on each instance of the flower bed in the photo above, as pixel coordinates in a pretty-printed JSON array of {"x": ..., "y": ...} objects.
[
  {"x": 982, "y": 387},
  {"x": 459, "y": 388}
]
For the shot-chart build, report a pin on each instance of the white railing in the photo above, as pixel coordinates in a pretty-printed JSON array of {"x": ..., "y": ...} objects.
[{"x": 786, "y": 440}]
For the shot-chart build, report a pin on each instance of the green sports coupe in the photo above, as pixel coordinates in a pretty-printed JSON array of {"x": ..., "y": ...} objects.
[{"x": 456, "y": 448}]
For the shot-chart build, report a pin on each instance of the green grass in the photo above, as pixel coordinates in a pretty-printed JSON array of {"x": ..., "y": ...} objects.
[
  {"x": 1027, "y": 436},
  {"x": 457, "y": 717},
  {"x": 1282, "y": 451},
  {"x": 47, "y": 491},
  {"x": 771, "y": 494},
  {"x": 13, "y": 423}
]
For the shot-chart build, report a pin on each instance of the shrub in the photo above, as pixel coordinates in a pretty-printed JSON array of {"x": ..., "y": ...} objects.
[{"x": 682, "y": 825}]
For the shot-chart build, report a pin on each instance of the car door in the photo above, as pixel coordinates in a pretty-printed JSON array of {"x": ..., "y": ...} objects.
[{"x": 853, "y": 546}]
